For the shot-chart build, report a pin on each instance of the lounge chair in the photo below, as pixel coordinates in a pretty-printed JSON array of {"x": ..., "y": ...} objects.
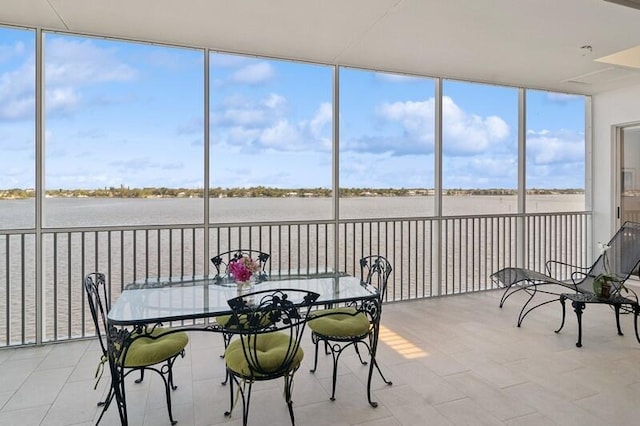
[{"x": 620, "y": 260}]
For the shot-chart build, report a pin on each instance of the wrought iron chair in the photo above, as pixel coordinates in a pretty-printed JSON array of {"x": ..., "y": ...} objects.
[
  {"x": 620, "y": 260},
  {"x": 341, "y": 327},
  {"x": 270, "y": 324},
  {"x": 221, "y": 263},
  {"x": 148, "y": 348}
]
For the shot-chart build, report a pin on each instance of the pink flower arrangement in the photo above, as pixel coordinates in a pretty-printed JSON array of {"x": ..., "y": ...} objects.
[{"x": 242, "y": 268}]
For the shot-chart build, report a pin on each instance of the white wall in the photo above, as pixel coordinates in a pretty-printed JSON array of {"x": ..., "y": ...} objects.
[{"x": 609, "y": 109}]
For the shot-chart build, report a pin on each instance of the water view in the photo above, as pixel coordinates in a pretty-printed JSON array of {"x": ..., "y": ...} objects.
[{"x": 86, "y": 212}]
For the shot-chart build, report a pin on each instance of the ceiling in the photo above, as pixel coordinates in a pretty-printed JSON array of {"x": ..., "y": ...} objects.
[{"x": 529, "y": 43}]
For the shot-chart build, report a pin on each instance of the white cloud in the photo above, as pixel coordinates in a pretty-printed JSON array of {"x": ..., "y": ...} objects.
[
  {"x": 397, "y": 78},
  {"x": 481, "y": 171},
  {"x": 415, "y": 117},
  {"x": 322, "y": 120},
  {"x": 545, "y": 147},
  {"x": 562, "y": 97},
  {"x": 275, "y": 101},
  {"x": 470, "y": 134},
  {"x": 246, "y": 123},
  {"x": 237, "y": 110},
  {"x": 282, "y": 135},
  {"x": 239, "y": 117},
  {"x": 17, "y": 91},
  {"x": 69, "y": 64},
  {"x": 254, "y": 73},
  {"x": 62, "y": 99},
  {"x": 9, "y": 51},
  {"x": 305, "y": 135},
  {"x": 463, "y": 134},
  {"x": 73, "y": 62}
]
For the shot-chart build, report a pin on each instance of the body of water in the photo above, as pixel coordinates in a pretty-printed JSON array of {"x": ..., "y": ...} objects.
[
  {"x": 70, "y": 212},
  {"x": 470, "y": 252}
]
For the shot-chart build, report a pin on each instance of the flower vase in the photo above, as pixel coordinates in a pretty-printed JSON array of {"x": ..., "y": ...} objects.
[
  {"x": 244, "y": 287},
  {"x": 602, "y": 286}
]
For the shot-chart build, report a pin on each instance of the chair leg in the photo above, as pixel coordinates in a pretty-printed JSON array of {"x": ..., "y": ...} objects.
[
  {"x": 167, "y": 391},
  {"x": 170, "y": 363},
  {"x": 226, "y": 337},
  {"x": 388, "y": 382},
  {"x": 107, "y": 400},
  {"x": 335, "y": 354},
  {"x": 375, "y": 363},
  {"x": 315, "y": 341},
  {"x": 246, "y": 399},
  {"x": 105, "y": 404},
  {"x": 244, "y": 391},
  {"x": 141, "y": 376},
  {"x": 363, "y": 362},
  {"x": 288, "y": 391},
  {"x": 233, "y": 400}
]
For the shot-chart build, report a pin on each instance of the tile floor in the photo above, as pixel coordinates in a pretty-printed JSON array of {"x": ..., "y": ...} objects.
[{"x": 456, "y": 360}]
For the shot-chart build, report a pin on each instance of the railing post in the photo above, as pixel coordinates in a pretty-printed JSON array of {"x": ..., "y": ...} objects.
[
  {"x": 437, "y": 152},
  {"x": 521, "y": 246},
  {"x": 39, "y": 95}
]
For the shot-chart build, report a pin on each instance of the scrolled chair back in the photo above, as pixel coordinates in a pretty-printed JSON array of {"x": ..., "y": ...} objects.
[
  {"x": 95, "y": 287},
  {"x": 264, "y": 317},
  {"x": 222, "y": 261},
  {"x": 375, "y": 270}
]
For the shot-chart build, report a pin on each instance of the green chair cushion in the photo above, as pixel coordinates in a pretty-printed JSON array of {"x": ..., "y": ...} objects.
[
  {"x": 271, "y": 350},
  {"x": 339, "y": 322},
  {"x": 224, "y": 320},
  {"x": 145, "y": 351}
]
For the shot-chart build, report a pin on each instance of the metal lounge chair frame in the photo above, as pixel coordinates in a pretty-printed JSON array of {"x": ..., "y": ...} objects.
[{"x": 620, "y": 260}]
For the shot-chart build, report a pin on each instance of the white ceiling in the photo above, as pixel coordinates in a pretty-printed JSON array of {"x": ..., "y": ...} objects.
[{"x": 530, "y": 43}]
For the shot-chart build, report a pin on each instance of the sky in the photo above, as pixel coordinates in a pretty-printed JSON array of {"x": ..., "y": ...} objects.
[{"x": 129, "y": 114}]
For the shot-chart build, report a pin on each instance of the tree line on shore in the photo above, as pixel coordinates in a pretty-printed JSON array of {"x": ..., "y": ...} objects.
[{"x": 262, "y": 191}]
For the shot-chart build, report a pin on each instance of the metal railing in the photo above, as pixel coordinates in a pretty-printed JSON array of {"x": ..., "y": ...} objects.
[{"x": 430, "y": 257}]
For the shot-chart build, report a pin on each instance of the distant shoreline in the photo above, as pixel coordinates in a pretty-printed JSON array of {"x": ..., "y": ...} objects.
[{"x": 260, "y": 191}]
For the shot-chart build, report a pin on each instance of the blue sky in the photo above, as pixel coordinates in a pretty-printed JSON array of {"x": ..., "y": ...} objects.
[{"x": 131, "y": 114}]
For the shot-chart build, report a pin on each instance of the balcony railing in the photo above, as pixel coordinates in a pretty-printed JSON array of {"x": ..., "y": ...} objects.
[{"x": 42, "y": 298}]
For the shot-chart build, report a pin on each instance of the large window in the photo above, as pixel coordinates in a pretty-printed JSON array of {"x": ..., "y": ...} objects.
[
  {"x": 17, "y": 128},
  {"x": 555, "y": 152},
  {"x": 480, "y": 149},
  {"x": 271, "y": 139},
  {"x": 124, "y": 132},
  {"x": 124, "y": 139},
  {"x": 386, "y": 145}
]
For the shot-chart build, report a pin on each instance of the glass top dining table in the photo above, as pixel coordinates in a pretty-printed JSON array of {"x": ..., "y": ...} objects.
[{"x": 155, "y": 300}]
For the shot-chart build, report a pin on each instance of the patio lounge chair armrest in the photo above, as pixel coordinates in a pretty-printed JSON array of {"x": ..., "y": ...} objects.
[
  {"x": 576, "y": 269},
  {"x": 578, "y": 276}
]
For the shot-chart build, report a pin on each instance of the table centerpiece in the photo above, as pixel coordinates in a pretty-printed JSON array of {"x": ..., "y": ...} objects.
[{"x": 241, "y": 270}]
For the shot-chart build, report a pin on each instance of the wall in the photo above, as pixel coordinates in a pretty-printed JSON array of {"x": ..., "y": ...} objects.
[{"x": 609, "y": 109}]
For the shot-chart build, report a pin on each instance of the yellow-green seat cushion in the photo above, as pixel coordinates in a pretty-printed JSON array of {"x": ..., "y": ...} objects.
[
  {"x": 224, "y": 320},
  {"x": 339, "y": 322},
  {"x": 271, "y": 350},
  {"x": 145, "y": 351}
]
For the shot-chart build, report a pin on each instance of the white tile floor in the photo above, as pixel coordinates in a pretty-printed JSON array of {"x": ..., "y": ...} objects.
[{"x": 454, "y": 361}]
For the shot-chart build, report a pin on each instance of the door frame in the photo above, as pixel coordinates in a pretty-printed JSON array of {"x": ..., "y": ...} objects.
[{"x": 616, "y": 170}]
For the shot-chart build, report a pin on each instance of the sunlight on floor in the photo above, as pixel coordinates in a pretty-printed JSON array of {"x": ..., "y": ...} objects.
[{"x": 400, "y": 344}]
